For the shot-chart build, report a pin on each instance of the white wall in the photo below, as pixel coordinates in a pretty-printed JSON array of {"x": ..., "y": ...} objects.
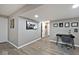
[
  {"x": 43, "y": 29},
  {"x": 64, "y": 30},
  {"x": 19, "y": 35},
  {"x": 13, "y": 32},
  {"x": 26, "y": 36},
  {"x": 3, "y": 29}
]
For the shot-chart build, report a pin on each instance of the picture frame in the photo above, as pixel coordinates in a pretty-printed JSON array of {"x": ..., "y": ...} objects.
[
  {"x": 31, "y": 25},
  {"x": 12, "y": 23},
  {"x": 74, "y": 24},
  {"x": 67, "y": 24},
  {"x": 60, "y": 24},
  {"x": 76, "y": 30},
  {"x": 55, "y": 25}
]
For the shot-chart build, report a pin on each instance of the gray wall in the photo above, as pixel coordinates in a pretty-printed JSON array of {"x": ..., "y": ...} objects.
[
  {"x": 64, "y": 30},
  {"x": 3, "y": 29},
  {"x": 26, "y": 36},
  {"x": 13, "y": 32}
]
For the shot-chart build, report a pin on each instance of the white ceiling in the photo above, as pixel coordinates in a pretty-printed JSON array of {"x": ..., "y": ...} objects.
[
  {"x": 8, "y": 9},
  {"x": 26, "y": 8},
  {"x": 15, "y": 9},
  {"x": 53, "y": 12},
  {"x": 45, "y": 12}
]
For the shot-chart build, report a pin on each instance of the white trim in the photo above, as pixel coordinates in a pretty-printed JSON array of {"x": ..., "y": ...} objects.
[
  {"x": 24, "y": 44},
  {"x": 55, "y": 41},
  {"x": 52, "y": 40},
  {"x": 29, "y": 43},
  {"x": 13, "y": 44},
  {"x": 76, "y": 45},
  {"x": 62, "y": 42}
]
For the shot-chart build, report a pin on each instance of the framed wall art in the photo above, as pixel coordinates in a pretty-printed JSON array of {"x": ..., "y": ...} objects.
[
  {"x": 67, "y": 24},
  {"x": 60, "y": 24},
  {"x": 55, "y": 25},
  {"x": 76, "y": 30},
  {"x": 31, "y": 25},
  {"x": 74, "y": 24},
  {"x": 12, "y": 23}
]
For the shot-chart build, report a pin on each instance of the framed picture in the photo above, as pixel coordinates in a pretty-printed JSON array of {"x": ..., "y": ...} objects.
[
  {"x": 74, "y": 24},
  {"x": 76, "y": 30},
  {"x": 55, "y": 25},
  {"x": 67, "y": 24},
  {"x": 12, "y": 23},
  {"x": 31, "y": 25},
  {"x": 60, "y": 24}
]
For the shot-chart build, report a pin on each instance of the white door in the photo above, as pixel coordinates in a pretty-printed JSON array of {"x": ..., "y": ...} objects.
[{"x": 3, "y": 29}]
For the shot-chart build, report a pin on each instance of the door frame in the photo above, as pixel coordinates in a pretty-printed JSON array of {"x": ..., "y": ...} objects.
[{"x": 41, "y": 29}]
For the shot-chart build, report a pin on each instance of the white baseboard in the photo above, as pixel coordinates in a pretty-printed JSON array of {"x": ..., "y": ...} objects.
[
  {"x": 24, "y": 44},
  {"x": 29, "y": 43},
  {"x": 62, "y": 42},
  {"x": 13, "y": 44},
  {"x": 52, "y": 40},
  {"x": 76, "y": 45}
]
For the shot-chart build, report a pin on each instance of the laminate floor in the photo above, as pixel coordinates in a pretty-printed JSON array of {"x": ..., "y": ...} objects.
[{"x": 41, "y": 47}]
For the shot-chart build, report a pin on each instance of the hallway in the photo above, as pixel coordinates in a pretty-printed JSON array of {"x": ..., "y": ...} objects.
[{"x": 41, "y": 47}]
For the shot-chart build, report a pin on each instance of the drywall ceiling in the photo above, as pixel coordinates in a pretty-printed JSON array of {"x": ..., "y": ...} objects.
[
  {"x": 16, "y": 9},
  {"x": 52, "y": 12},
  {"x": 25, "y": 9},
  {"x": 45, "y": 12},
  {"x": 8, "y": 9}
]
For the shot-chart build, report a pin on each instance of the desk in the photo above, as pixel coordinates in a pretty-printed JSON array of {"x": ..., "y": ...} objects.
[{"x": 66, "y": 38}]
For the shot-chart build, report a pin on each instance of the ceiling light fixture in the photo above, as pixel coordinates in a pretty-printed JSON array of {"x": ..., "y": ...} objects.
[
  {"x": 75, "y": 6},
  {"x": 36, "y": 16}
]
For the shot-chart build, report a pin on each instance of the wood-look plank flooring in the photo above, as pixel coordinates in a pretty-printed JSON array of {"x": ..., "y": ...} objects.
[{"x": 41, "y": 47}]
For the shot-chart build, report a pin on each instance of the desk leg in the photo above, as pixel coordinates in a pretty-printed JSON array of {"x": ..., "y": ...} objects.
[
  {"x": 57, "y": 40},
  {"x": 73, "y": 44}
]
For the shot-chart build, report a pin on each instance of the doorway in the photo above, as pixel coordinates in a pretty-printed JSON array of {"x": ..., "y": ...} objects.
[{"x": 45, "y": 29}]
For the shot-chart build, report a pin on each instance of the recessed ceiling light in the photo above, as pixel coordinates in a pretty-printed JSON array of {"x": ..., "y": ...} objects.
[
  {"x": 36, "y": 16},
  {"x": 75, "y": 6}
]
